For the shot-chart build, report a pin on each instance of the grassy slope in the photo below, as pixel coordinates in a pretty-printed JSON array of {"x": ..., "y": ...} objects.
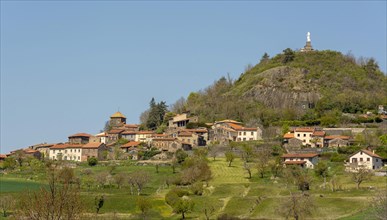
[{"x": 229, "y": 192}]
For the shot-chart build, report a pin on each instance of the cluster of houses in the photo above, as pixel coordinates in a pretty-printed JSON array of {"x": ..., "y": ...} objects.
[{"x": 82, "y": 146}]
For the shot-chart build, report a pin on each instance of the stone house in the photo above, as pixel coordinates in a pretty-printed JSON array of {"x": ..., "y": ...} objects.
[
  {"x": 144, "y": 136},
  {"x": 114, "y": 135},
  {"x": 166, "y": 144},
  {"x": 336, "y": 141},
  {"x": 43, "y": 148},
  {"x": 181, "y": 121},
  {"x": 103, "y": 137},
  {"x": 93, "y": 150},
  {"x": 129, "y": 135},
  {"x": 364, "y": 158},
  {"x": 79, "y": 138},
  {"x": 230, "y": 130},
  {"x": 117, "y": 120},
  {"x": 305, "y": 160}
]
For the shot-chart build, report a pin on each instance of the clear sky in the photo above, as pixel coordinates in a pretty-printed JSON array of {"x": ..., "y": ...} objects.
[{"x": 66, "y": 66}]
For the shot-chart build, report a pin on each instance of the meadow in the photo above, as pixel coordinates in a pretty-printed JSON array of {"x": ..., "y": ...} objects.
[{"x": 229, "y": 193}]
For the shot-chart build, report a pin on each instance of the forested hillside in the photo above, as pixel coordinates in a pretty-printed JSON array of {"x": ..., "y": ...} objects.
[{"x": 314, "y": 87}]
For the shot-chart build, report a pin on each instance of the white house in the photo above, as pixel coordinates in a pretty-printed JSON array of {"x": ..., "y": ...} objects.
[
  {"x": 230, "y": 130},
  {"x": 103, "y": 137},
  {"x": 66, "y": 152},
  {"x": 366, "y": 159},
  {"x": 307, "y": 160}
]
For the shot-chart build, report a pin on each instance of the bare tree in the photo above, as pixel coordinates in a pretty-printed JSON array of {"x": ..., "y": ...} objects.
[
  {"x": 263, "y": 157},
  {"x": 101, "y": 179},
  {"x": 179, "y": 106},
  {"x": 213, "y": 151},
  {"x": 360, "y": 175},
  {"x": 60, "y": 200},
  {"x": 297, "y": 205},
  {"x": 138, "y": 179},
  {"x": 119, "y": 179},
  {"x": 247, "y": 167}
]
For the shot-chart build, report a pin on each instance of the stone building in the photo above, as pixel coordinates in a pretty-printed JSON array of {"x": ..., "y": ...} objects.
[
  {"x": 166, "y": 144},
  {"x": 79, "y": 138},
  {"x": 181, "y": 121},
  {"x": 117, "y": 120},
  {"x": 93, "y": 150}
]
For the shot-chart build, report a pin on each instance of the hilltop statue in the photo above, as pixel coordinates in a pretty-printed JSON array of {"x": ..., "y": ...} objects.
[{"x": 308, "y": 46}]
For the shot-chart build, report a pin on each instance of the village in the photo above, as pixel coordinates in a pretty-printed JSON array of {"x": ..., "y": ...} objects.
[{"x": 123, "y": 141}]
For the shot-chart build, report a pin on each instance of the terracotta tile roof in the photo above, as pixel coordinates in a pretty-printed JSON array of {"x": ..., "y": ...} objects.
[
  {"x": 289, "y": 135},
  {"x": 92, "y": 145},
  {"x": 308, "y": 155},
  {"x": 304, "y": 129},
  {"x": 227, "y": 129},
  {"x": 80, "y": 135},
  {"x": 159, "y": 135},
  {"x": 129, "y": 132},
  {"x": 115, "y": 131},
  {"x": 132, "y": 126},
  {"x": 295, "y": 162},
  {"x": 145, "y": 132},
  {"x": 234, "y": 126},
  {"x": 66, "y": 145},
  {"x": 30, "y": 151},
  {"x": 330, "y": 137},
  {"x": 318, "y": 133},
  {"x": 371, "y": 153},
  {"x": 117, "y": 115},
  {"x": 3, "y": 156},
  {"x": 131, "y": 144}
]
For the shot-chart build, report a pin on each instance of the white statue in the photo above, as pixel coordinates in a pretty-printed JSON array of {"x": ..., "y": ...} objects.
[{"x": 308, "y": 37}]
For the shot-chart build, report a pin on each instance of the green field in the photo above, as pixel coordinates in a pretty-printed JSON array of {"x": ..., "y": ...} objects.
[{"x": 229, "y": 192}]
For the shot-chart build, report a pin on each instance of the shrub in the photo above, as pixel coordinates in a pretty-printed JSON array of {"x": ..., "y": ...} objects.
[{"x": 92, "y": 161}]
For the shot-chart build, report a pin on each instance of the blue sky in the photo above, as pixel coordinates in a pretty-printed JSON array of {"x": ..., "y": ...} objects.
[{"x": 66, "y": 66}]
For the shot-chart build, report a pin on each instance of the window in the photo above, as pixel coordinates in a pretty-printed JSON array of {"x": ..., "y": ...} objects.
[
  {"x": 298, "y": 135},
  {"x": 252, "y": 133},
  {"x": 244, "y": 133},
  {"x": 368, "y": 159},
  {"x": 240, "y": 133},
  {"x": 304, "y": 135},
  {"x": 361, "y": 153},
  {"x": 79, "y": 158},
  {"x": 377, "y": 160},
  {"x": 354, "y": 160},
  {"x": 361, "y": 159},
  {"x": 310, "y": 135},
  {"x": 244, "y": 139}
]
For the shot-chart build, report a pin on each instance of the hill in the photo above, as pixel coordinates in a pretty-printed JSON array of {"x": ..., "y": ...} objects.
[{"x": 294, "y": 86}]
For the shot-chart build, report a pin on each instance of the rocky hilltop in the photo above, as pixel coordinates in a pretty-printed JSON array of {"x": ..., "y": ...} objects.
[{"x": 295, "y": 86}]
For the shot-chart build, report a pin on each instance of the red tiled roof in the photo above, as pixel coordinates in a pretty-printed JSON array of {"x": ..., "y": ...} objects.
[
  {"x": 115, "y": 131},
  {"x": 229, "y": 121},
  {"x": 64, "y": 146},
  {"x": 234, "y": 126},
  {"x": 131, "y": 144},
  {"x": 319, "y": 133},
  {"x": 132, "y": 125},
  {"x": 3, "y": 156},
  {"x": 145, "y": 132},
  {"x": 30, "y": 151},
  {"x": 308, "y": 155},
  {"x": 129, "y": 132},
  {"x": 330, "y": 137},
  {"x": 92, "y": 145},
  {"x": 294, "y": 162},
  {"x": 371, "y": 153},
  {"x": 289, "y": 135},
  {"x": 304, "y": 129},
  {"x": 80, "y": 135}
]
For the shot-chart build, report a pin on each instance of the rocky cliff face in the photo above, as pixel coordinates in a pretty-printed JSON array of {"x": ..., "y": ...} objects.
[{"x": 284, "y": 87}]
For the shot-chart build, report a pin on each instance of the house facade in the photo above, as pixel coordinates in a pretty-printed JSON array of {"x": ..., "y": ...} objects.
[
  {"x": 66, "y": 152},
  {"x": 181, "y": 121},
  {"x": 79, "y": 138},
  {"x": 93, "y": 150},
  {"x": 366, "y": 159},
  {"x": 166, "y": 144},
  {"x": 230, "y": 130},
  {"x": 307, "y": 160}
]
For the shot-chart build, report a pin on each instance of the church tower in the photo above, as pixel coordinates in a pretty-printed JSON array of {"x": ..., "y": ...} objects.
[{"x": 308, "y": 46}]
